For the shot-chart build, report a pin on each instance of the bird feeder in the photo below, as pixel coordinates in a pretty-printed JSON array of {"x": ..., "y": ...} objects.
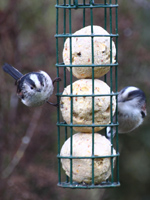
[{"x": 75, "y": 138}]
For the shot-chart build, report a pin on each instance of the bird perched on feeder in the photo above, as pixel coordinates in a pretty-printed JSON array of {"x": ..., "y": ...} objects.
[
  {"x": 131, "y": 110},
  {"x": 35, "y": 88}
]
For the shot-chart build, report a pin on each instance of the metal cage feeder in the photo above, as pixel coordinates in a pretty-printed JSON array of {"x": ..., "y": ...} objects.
[{"x": 66, "y": 12}]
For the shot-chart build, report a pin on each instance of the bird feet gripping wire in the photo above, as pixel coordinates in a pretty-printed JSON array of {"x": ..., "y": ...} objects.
[{"x": 57, "y": 79}]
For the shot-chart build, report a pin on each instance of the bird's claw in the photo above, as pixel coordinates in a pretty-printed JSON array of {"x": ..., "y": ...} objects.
[
  {"x": 53, "y": 104},
  {"x": 57, "y": 79}
]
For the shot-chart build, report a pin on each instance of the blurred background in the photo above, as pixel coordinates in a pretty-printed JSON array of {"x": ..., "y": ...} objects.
[{"x": 29, "y": 168}]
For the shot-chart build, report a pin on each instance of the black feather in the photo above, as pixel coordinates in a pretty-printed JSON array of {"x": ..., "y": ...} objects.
[
  {"x": 12, "y": 71},
  {"x": 137, "y": 94}
]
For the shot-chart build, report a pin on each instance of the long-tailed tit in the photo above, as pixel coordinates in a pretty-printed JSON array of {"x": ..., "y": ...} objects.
[
  {"x": 35, "y": 88},
  {"x": 131, "y": 110}
]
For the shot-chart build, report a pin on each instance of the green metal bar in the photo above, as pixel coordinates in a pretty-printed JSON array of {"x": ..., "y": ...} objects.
[
  {"x": 86, "y": 6},
  {"x": 66, "y": 137},
  {"x": 58, "y": 115},
  {"x": 84, "y": 14},
  {"x": 57, "y": 21},
  {"x": 81, "y": 186},
  {"x": 92, "y": 52},
  {"x": 111, "y": 85},
  {"x": 64, "y": 19},
  {"x": 105, "y": 26},
  {"x": 64, "y": 41},
  {"x": 88, "y": 157},
  {"x": 71, "y": 104},
  {"x": 90, "y": 35},
  {"x": 86, "y": 95},
  {"x": 66, "y": 131},
  {"x": 87, "y": 125},
  {"x": 76, "y": 3},
  {"x": 116, "y": 75},
  {"x": 92, "y": 65},
  {"x": 117, "y": 145},
  {"x": 105, "y": 15}
]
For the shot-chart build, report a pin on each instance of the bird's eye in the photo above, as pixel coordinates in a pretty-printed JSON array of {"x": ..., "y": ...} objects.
[
  {"x": 31, "y": 87},
  {"x": 143, "y": 114}
]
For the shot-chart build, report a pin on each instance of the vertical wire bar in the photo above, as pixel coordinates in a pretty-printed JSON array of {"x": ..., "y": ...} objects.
[
  {"x": 116, "y": 67},
  {"x": 71, "y": 105},
  {"x": 105, "y": 15},
  {"x": 65, "y": 67},
  {"x": 64, "y": 41},
  {"x": 116, "y": 74},
  {"x": 58, "y": 114},
  {"x": 92, "y": 51},
  {"x": 111, "y": 77},
  {"x": 83, "y": 14},
  {"x": 105, "y": 26},
  {"x": 111, "y": 85},
  {"x": 66, "y": 134}
]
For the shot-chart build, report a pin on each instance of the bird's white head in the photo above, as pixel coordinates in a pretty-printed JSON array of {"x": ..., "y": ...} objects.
[
  {"x": 35, "y": 88},
  {"x": 134, "y": 98}
]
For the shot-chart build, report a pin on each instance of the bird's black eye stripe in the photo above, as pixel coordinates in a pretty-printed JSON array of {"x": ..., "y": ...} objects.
[
  {"x": 143, "y": 114},
  {"x": 41, "y": 77},
  {"x": 25, "y": 78},
  {"x": 32, "y": 83},
  {"x": 136, "y": 93},
  {"x": 133, "y": 93}
]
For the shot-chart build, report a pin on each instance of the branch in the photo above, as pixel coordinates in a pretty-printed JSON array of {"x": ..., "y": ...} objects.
[{"x": 24, "y": 144}]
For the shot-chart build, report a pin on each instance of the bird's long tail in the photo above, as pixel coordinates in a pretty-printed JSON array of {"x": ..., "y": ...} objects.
[{"x": 12, "y": 71}]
